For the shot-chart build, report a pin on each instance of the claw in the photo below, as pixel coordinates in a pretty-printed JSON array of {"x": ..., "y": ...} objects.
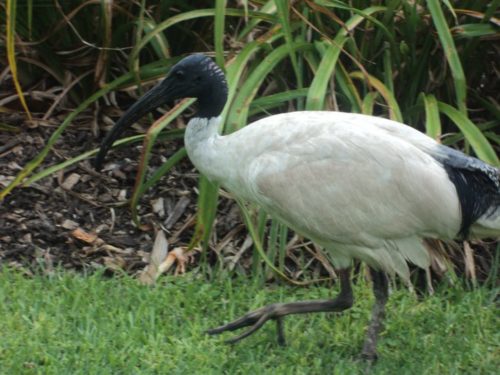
[
  {"x": 252, "y": 330},
  {"x": 256, "y": 320},
  {"x": 277, "y": 311}
]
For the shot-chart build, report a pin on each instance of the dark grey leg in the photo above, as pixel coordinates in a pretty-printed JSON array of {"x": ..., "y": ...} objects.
[
  {"x": 277, "y": 311},
  {"x": 381, "y": 291}
]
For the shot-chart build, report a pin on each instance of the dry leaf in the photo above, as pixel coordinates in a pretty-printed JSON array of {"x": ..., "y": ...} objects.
[
  {"x": 176, "y": 254},
  {"x": 160, "y": 248},
  {"x": 470, "y": 266},
  {"x": 81, "y": 235},
  {"x": 177, "y": 212},
  {"x": 161, "y": 260}
]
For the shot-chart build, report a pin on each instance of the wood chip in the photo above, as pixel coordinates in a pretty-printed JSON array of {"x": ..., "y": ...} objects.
[
  {"x": 71, "y": 181},
  {"x": 116, "y": 263},
  {"x": 177, "y": 212},
  {"x": 69, "y": 224},
  {"x": 6, "y": 180},
  {"x": 122, "y": 195},
  {"x": 27, "y": 238},
  {"x": 158, "y": 206},
  {"x": 13, "y": 165}
]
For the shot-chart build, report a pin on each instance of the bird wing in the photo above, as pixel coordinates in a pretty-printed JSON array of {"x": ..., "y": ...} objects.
[{"x": 350, "y": 183}]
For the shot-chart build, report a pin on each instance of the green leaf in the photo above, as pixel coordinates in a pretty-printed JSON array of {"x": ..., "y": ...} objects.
[
  {"x": 258, "y": 244},
  {"x": 238, "y": 112},
  {"x": 10, "y": 13},
  {"x": 220, "y": 5},
  {"x": 186, "y": 16},
  {"x": 394, "y": 111},
  {"x": 149, "y": 141},
  {"x": 234, "y": 70},
  {"x": 172, "y": 161},
  {"x": 450, "y": 52},
  {"x": 159, "y": 42},
  {"x": 475, "y": 30},
  {"x": 252, "y": 23},
  {"x": 432, "y": 120},
  {"x": 348, "y": 88},
  {"x": 368, "y": 102},
  {"x": 477, "y": 140},
  {"x": 284, "y": 18},
  {"x": 207, "y": 211},
  {"x": 264, "y": 103},
  {"x": 318, "y": 88},
  {"x": 57, "y": 167}
]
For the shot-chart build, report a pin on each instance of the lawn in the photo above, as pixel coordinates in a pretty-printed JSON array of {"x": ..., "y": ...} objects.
[{"x": 74, "y": 324}]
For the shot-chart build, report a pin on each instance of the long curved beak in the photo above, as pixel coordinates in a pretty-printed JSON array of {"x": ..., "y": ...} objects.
[{"x": 158, "y": 95}]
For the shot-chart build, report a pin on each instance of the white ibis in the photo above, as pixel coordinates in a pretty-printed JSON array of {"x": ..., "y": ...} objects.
[{"x": 362, "y": 187}]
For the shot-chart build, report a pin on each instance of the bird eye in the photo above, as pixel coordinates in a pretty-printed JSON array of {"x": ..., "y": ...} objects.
[{"x": 179, "y": 74}]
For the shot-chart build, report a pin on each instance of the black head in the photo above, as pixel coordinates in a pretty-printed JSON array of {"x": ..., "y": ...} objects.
[{"x": 196, "y": 76}]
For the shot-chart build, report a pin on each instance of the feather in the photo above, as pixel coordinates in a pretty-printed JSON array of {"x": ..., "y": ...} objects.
[{"x": 360, "y": 186}]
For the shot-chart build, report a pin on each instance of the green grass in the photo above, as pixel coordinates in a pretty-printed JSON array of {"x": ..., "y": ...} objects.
[{"x": 72, "y": 324}]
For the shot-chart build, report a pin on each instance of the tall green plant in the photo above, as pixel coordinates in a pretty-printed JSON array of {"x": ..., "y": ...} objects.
[{"x": 416, "y": 62}]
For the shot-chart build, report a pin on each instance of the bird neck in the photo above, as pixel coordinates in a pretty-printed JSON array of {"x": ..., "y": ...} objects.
[
  {"x": 211, "y": 104},
  {"x": 201, "y": 140},
  {"x": 212, "y": 99}
]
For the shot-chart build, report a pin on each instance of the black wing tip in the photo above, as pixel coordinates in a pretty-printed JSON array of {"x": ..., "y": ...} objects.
[
  {"x": 477, "y": 192},
  {"x": 477, "y": 184}
]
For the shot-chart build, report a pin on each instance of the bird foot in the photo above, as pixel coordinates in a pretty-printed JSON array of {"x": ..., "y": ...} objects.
[
  {"x": 370, "y": 357},
  {"x": 256, "y": 320},
  {"x": 277, "y": 311}
]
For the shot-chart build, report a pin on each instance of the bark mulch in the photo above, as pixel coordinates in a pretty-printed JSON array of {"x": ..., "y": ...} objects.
[{"x": 77, "y": 218}]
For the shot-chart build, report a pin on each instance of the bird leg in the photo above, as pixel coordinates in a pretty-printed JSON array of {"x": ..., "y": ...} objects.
[
  {"x": 277, "y": 311},
  {"x": 381, "y": 292}
]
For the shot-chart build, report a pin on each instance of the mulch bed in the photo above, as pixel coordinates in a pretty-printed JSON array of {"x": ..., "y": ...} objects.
[{"x": 41, "y": 226}]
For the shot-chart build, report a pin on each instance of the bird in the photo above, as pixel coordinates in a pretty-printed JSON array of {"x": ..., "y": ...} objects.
[{"x": 361, "y": 187}]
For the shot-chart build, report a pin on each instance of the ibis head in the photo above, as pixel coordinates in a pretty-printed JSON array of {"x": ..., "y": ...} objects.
[{"x": 196, "y": 76}]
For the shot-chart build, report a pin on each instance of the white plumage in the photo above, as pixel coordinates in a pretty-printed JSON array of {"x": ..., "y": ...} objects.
[{"x": 362, "y": 187}]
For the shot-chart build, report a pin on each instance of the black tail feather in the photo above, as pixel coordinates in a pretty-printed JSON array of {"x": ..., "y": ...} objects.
[{"x": 478, "y": 193}]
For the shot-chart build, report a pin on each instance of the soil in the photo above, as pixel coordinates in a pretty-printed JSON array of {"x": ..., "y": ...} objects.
[{"x": 77, "y": 218}]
